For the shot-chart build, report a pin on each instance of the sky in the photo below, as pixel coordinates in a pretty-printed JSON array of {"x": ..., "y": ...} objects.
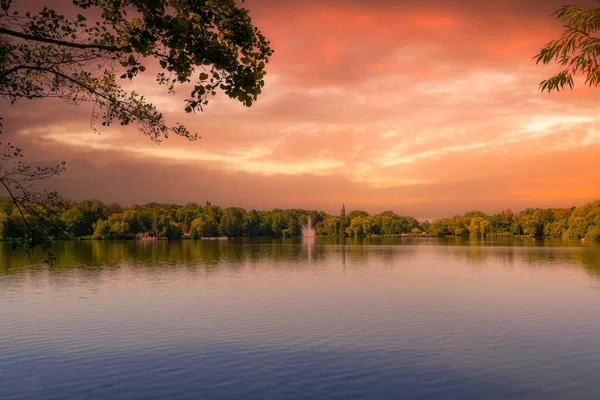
[{"x": 427, "y": 108}]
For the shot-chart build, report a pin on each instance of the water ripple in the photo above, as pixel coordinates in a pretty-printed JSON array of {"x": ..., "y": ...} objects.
[{"x": 265, "y": 322}]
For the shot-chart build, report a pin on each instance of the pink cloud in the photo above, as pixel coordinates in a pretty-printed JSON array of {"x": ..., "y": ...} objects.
[{"x": 427, "y": 108}]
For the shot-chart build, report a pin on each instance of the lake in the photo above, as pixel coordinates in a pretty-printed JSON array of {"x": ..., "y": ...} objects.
[{"x": 294, "y": 319}]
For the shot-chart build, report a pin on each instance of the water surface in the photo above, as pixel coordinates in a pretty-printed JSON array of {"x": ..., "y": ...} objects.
[{"x": 292, "y": 319}]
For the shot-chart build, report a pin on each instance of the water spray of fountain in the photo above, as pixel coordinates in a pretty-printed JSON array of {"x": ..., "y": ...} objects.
[
  {"x": 308, "y": 237},
  {"x": 307, "y": 230}
]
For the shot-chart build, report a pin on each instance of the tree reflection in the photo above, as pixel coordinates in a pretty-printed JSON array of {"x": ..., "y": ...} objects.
[{"x": 93, "y": 257}]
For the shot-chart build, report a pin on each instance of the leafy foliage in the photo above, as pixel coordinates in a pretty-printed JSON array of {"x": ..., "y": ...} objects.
[
  {"x": 577, "y": 50},
  {"x": 204, "y": 45},
  {"x": 35, "y": 209}
]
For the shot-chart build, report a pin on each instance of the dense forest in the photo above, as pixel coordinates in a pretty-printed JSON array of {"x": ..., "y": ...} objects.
[{"x": 92, "y": 219}]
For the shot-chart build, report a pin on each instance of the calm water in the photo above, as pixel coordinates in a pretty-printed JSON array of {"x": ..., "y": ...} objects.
[{"x": 302, "y": 320}]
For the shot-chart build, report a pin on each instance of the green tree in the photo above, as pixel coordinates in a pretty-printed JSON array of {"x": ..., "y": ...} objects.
[
  {"x": 277, "y": 223},
  {"x": 101, "y": 230},
  {"x": 4, "y": 226},
  {"x": 112, "y": 208},
  {"x": 356, "y": 213},
  {"x": 232, "y": 222},
  {"x": 252, "y": 223},
  {"x": 74, "y": 221},
  {"x": 92, "y": 210},
  {"x": 459, "y": 225},
  {"x": 356, "y": 228},
  {"x": 211, "y": 226},
  {"x": 440, "y": 227},
  {"x": 368, "y": 226},
  {"x": 187, "y": 214},
  {"x": 475, "y": 230},
  {"x": 133, "y": 221},
  {"x": 577, "y": 50},
  {"x": 332, "y": 226},
  {"x": 196, "y": 228},
  {"x": 584, "y": 222},
  {"x": 292, "y": 228},
  {"x": 173, "y": 231},
  {"x": 119, "y": 228},
  {"x": 204, "y": 226}
]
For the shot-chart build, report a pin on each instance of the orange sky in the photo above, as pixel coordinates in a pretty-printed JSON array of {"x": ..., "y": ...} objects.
[{"x": 428, "y": 108}]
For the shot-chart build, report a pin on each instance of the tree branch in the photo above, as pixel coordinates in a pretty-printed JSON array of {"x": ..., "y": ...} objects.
[
  {"x": 26, "y": 36},
  {"x": 18, "y": 204},
  {"x": 81, "y": 84}
]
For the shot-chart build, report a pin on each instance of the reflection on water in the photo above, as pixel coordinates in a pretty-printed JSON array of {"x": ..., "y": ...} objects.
[
  {"x": 208, "y": 254},
  {"x": 301, "y": 319}
]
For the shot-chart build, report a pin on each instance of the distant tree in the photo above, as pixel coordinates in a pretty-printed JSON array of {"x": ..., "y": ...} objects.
[
  {"x": 475, "y": 227},
  {"x": 204, "y": 226},
  {"x": 277, "y": 223},
  {"x": 440, "y": 227},
  {"x": 112, "y": 208},
  {"x": 132, "y": 219},
  {"x": 173, "y": 231},
  {"x": 232, "y": 222},
  {"x": 577, "y": 50},
  {"x": 460, "y": 232},
  {"x": 168, "y": 220},
  {"x": 388, "y": 213},
  {"x": 4, "y": 223},
  {"x": 408, "y": 223},
  {"x": 584, "y": 222},
  {"x": 188, "y": 213},
  {"x": 473, "y": 214},
  {"x": 119, "y": 228},
  {"x": 196, "y": 228},
  {"x": 214, "y": 212},
  {"x": 357, "y": 213},
  {"x": 74, "y": 222},
  {"x": 332, "y": 226},
  {"x": 101, "y": 230},
  {"x": 368, "y": 226},
  {"x": 459, "y": 225},
  {"x": 357, "y": 225},
  {"x": 293, "y": 227},
  {"x": 252, "y": 223},
  {"x": 92, "y": 210}
]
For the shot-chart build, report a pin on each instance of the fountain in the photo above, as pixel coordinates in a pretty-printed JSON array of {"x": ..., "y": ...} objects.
[
  {"x": 307, "y": 230},
  {"x": 308, "y": 238}
]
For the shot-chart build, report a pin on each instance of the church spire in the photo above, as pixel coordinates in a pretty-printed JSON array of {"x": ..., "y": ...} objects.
[{"x": 343, "y": 213}]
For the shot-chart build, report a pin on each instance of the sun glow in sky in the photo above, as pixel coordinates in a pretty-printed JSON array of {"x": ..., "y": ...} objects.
[{"x": 427, "y": 108}]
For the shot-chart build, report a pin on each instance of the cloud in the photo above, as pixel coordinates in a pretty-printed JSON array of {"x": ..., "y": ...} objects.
[{"x": 428, "y": 108}]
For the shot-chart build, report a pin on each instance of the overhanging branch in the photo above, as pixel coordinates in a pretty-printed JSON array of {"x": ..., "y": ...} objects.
[{"x": 42, "y": 39}]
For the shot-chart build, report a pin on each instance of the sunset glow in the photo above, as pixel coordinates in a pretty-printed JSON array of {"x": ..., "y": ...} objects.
[{"x": 426, "y": 108}]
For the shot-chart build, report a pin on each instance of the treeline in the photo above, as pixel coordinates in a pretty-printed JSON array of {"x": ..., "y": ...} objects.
[{"x": 92, "y": 219}]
